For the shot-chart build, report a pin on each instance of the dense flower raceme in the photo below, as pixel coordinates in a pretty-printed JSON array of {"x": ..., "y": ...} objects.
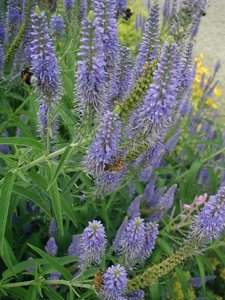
[
  {"x": 119, "y": 84},
  {"x": 114, "y": 283},
  {"x": 90, "y": 77},
  {"x": 68, "y": 5},
  {"x": 92, "y": 243},
  {"x": 51, "y": 247},
  {"x": 121, "y": 6},
  {"x": 150, "y": 43},
  {"x": 153, "y": 116},
  {"x": 104, "y": 149},
  {"x": 14, "y": 17},
  {"x": 3, "y": 34},
  {"x": 106, "y": 23},
  {"x": 209, "y": 223},
  {"x": 46, "y": 72},
  {"x": 136, "y": 241},
  {"x": 57, "y": 25}
]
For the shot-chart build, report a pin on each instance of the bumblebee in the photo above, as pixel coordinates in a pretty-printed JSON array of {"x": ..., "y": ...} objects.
[
  {"x": 27, "y": 75},
  {"x": 115, "y": 167},
  {"x": 127, "y": 14},
  {"x": 98, "y": 279}
]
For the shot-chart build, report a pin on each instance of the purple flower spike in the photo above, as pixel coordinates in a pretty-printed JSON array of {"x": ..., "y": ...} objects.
[
  {"x": 57, "y": 25},
  {"x": 136, "y": 295},
  {"x": 44, "y": 61},
  {"x": 121, "y": 6},
  {"x": 14, "y": 18},
  {"x": 1, "y": 60},
  {"x": 133, "y": 210},
  {"x": 90, "y": 77},
  {"x": 120, "y": 81},
  {"x": 68, "y": 5},
  {"x": 171, "y": 143},
  {"x": 149, "y": 189},
  {"x": 106, "y": 23},
  {"x": 93, "y": 243},
  {"x": 104, "y": 149},
  {"x": 46, "y": 71},
  {"x": 151, "y": 233},
  {"x": 150, "y": 43},
  {"x": 166, "y": 201},
  {"x": 114, "y": 283},
  {"x": 75, "y": 247},
  {"x": 209, "y": 223},
  {"x": 3, "y": 34},
  {"x": 117, "y": 241},
  {"x": 166, "y": 11},
  {"x": 154, "y": 115},
  {"x": 54, "y": 276},
  {"x": 51, "y": 247},
  {"x": 132, "y": 241},
  {"x": 52, "y": 227}
]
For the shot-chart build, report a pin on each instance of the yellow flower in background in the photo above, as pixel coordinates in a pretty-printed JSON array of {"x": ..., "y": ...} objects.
[
  {"x": 218, "y": 92},
  {"x": 212, "y": 103},
  {"x": 201, "y": 78}
]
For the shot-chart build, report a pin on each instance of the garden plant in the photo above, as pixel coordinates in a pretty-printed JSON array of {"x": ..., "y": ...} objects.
[{"x": 112, "y": 178}]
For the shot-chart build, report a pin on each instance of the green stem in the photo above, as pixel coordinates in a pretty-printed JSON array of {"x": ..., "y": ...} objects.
[
  {"x": 152, "y": 274},
  {"x": 50, "y": 282}
]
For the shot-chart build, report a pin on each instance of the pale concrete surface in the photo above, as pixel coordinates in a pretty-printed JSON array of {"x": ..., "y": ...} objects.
[{"x": 211, "y": 39}]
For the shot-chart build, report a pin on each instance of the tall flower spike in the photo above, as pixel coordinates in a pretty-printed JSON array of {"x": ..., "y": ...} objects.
[
  {"x": 151, "y": 233},
  {"x": 114, "y": 283},
  {"x": 171, "y": 143},
  {"x": 104, "y": 149},
  {"x": 14, "y": 18},
  {"x": 51, "y": 247},
  {"x": 121, "y": 6},
  {"x": 166, "y": 201},
  {"x": 3, "y": 34},
  {"x": 119, "y": 83},
  {"x": 105, "y": 20},
  {"x": 209, "y": 223},
  {"x": 90, "y": 77},
  {"x": 154, "y": 115},
  {"x": 93, "y": 243},
  {"x": 134, "y": 208},
  {"x": 166, "y": 11},
  {"x": 46, "y": 71},
  {"x": 75, "y": 247},
  {"x": 132, "y": 241},
  {"x": 57, "y": 25},
  {"x": 52, "y": 227},
  {"x": 150, "y": 43},
  {"x": 117, "y": 241},
  {"x": 68, "y": 5}
]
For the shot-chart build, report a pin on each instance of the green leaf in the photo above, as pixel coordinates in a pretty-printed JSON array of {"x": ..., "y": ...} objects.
[
  {"x": 7, "y": 186},
  {"x": 32, "y": 293},
  {"x": 26, "y": 193},
  {"x": 24, "y": 265},
  {"x": 201, "y": 270},
  {"x": 21, "y": 141},
  {"x": 53, "y": 262},
  {"x": 52, "y": 294},
  {"x": 61, "y": 164},
  {"x": 55, "y": 199},
  {"x": 8, "y": 257},
  {"x": 68, "y": 210}
]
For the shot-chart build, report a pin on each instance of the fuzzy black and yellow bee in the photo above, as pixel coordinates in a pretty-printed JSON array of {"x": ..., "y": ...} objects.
[
  {"x": 98, "y": 279},
  {"x": 27, "y": 75},
  {"x": 127, "y": 14},
  {"x": 115, "y": 167}
]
